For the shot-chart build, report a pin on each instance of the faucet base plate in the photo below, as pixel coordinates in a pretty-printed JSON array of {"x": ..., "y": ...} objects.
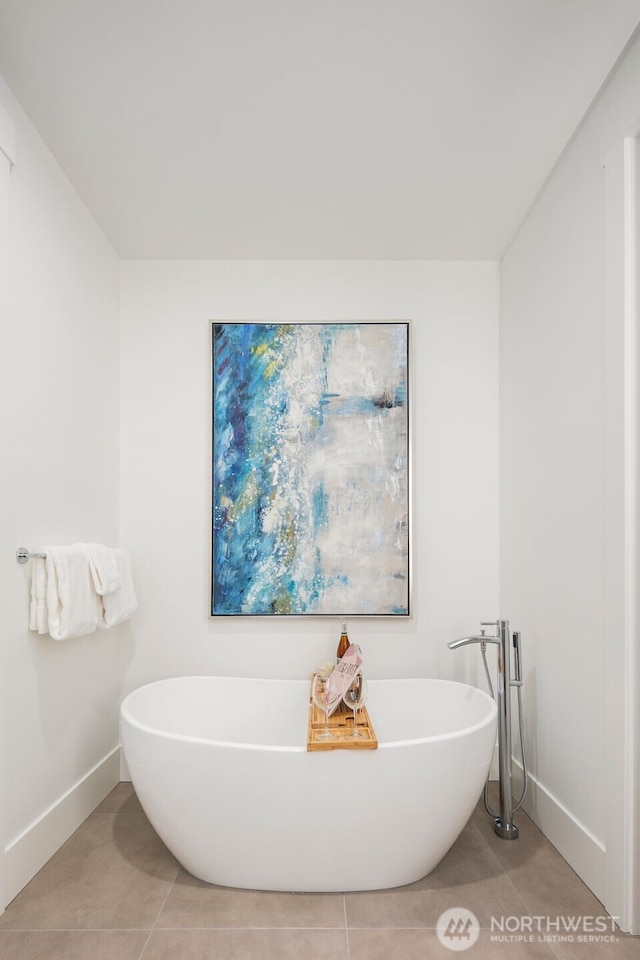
[{"x": 508, "y": 831}]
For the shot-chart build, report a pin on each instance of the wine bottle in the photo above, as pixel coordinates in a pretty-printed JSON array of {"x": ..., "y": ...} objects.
[{"x": 344, "y": 642}]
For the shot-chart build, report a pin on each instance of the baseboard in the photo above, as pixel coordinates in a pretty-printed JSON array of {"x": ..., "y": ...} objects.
[
  {"x": 125, "y": 776},
  {"x": 582, "y": 851},
  {"x": 29, "y": 852}
]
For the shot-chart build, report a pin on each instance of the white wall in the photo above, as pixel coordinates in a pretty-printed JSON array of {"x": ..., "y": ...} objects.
[
  {"x": 60, "y": 421},
  {"x": 166, "y": 309},
  {"x": 562, "y": 486}
]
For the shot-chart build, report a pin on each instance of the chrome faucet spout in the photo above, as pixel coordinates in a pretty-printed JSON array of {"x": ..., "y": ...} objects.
[{"x": 463, "y": 641}]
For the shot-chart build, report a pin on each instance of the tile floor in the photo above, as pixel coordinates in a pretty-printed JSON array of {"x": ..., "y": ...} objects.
[{"x": 114, "y": 892}]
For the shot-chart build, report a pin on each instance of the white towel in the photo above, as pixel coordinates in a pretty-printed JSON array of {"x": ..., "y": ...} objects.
[
  {"x": 104, "y": 567},
  {"x": 73, "y": 607},
  {"x": 120, "y": 604},
  {"x": 38, "y": 620}
]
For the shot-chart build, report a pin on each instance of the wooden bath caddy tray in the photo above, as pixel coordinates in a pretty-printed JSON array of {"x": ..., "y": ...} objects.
[{"x": 340, "y": 724}]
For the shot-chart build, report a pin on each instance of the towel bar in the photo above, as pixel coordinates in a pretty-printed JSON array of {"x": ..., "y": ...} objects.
[{"x": 22, "y": 555}]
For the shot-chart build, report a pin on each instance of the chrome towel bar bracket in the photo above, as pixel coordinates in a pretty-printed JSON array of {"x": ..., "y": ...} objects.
[{"x": 22, "y": 555}]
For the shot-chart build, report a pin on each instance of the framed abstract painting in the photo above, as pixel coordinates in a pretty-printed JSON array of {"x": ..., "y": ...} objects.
[{"x": 311, "y": 469}]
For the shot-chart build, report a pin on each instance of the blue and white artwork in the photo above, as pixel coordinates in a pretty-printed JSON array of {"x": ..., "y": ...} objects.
[{"x": 310, "y": 469}]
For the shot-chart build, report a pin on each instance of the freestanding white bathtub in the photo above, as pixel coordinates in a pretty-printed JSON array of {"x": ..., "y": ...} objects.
[{"x": 221, "y": 768}]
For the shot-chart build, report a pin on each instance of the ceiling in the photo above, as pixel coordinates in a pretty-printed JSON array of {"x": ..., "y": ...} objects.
[{"x": 309, "y": 129}]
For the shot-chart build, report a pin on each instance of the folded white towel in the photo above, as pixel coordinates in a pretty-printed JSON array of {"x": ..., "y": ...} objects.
[
  {"x": 73, "y": 607},
  {"x": 38, "y": 620},
  {"x": 120, "y": 604},
  {"x": 103, "y": 564}
]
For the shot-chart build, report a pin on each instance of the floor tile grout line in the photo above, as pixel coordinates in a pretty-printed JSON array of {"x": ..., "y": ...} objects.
[
  {"x": 243, "y": 929},
  {"x": 146, "y": 944},
  {"x": 245, "y": 926},
  {"x": 424, "y": 926},
  {"x": 346, "y": 926},
  {"x": 167, "y": 895},
  {"x": 75, "y": 930},
  {"x": 237, "y": 928}
]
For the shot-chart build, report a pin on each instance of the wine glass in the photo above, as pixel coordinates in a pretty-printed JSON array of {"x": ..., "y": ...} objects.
[
  {"x": 323, "y": 701},
  {"x": 356, "y": 697}
]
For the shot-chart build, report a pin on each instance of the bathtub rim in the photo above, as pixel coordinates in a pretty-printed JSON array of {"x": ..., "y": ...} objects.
[{"x": 127, "y": 716}]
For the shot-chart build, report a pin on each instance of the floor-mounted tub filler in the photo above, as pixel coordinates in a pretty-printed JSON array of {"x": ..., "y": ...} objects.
[
  {"x": 503, "y": 819},
  {"x": 221, "y": 768}
]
